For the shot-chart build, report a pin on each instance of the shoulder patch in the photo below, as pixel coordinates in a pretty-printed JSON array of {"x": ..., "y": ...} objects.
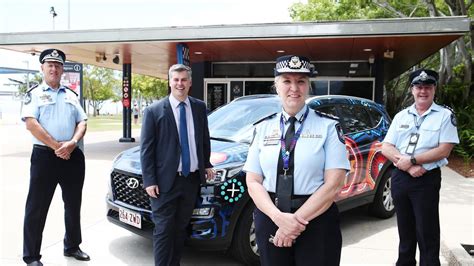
[
  {"x": 265, "y": 118},
  {"x": 71, "y": 90},
  {"x": 27, "y": 98},
  {"x": 330, "y": 116},
  {"x": 453, "y": 115},
  {"x": 32, "y": 88},
  {"x": 453, "y": 119},
  {"x": 340, "y": 133}
]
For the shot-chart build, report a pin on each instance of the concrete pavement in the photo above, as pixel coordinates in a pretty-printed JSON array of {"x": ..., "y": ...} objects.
[{"x": 366, "y": 240}]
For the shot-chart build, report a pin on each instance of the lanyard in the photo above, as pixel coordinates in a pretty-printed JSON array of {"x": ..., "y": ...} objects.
[
  {"x": 418, "y": 122},
  {"x": 285, "y": 154}
]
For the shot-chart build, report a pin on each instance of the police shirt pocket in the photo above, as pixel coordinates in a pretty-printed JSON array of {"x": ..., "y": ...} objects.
[
  {"x": 45, "y": 109},
  {"x": 430, "y": 134}
]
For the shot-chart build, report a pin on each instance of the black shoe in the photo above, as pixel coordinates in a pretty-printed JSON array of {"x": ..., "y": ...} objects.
[
  {"x": 35, "y": 263},
  {"x": 78, "y": 254}
]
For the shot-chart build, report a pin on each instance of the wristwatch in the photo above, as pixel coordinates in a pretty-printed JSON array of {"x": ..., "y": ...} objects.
[
  {"x": 75, "y": 141},
  {"x": 413, "y": 160}
]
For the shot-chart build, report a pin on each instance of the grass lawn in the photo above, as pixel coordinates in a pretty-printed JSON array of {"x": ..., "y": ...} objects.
[{"x": 108, "y": 122}]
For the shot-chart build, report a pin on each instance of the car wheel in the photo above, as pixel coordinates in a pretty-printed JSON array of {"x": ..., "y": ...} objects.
[
  {"x": 382, "y": 206},
  {"x": 244, "y": 244}
]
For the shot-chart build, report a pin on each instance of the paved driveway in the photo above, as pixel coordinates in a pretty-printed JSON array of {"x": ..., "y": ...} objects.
[{"x": 366, "y": 240}]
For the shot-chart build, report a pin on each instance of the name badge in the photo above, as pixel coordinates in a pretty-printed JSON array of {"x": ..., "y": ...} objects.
[
  {"x": 271, "y": 141},
  {"x": 412, "y": 143}
]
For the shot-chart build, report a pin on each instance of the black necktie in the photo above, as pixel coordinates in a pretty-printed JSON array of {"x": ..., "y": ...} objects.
[
  {"x": 284, "y": 189},
  {"x": 290, "y": 133}
]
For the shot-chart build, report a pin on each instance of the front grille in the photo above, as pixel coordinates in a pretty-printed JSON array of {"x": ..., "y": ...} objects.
[{"x": 133, "y": 196}]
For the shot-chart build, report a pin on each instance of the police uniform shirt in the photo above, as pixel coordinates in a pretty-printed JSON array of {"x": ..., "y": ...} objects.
[
  {"x": 57, "y": 111},
  {"x": 317, "y": 149},
  {"x": 436, "y": 125}
]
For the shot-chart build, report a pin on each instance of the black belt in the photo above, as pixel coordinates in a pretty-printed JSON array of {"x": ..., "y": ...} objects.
[
  {"x": 179, "y": 173},
  {"x": 42, "y": 147},
  {"x": 296, "y": 200}
]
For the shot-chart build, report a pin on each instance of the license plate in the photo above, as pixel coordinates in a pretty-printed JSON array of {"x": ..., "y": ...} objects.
[{"x": 131, "y": 218}]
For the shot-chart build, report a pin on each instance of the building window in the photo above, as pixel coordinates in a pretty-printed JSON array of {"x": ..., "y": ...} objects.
[{"x": 363, "y": 89}]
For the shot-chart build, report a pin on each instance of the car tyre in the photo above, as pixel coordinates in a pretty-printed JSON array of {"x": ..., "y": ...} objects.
[
  {"x": 244, "y": 244},
  {"x": 382, "y": 206}
]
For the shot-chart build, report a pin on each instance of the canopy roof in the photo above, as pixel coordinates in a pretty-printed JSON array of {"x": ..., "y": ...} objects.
[{"x": 400, "y": 43}]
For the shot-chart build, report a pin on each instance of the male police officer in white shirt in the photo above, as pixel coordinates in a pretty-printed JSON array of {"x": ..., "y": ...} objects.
[
  {"x": 418, "y": 142},
  {"x": 55, "y": 118}
]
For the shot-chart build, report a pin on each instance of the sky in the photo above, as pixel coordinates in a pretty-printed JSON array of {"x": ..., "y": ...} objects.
[{"x": 34, "y": 15}]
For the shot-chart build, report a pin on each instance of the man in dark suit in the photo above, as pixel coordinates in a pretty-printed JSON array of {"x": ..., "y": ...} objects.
[{"x": 175, "y": 151}]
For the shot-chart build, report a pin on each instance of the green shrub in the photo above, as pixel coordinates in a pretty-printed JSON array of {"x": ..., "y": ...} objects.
[{"x": 462, "y": 106}]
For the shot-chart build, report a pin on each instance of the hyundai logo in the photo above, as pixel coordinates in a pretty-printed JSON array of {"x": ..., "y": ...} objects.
[{"x": 132, "y": 183}]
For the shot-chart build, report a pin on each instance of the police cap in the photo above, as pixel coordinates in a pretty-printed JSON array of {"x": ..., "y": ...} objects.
[
  {"x": 423, "y": 76},
  {"x": 53, "y": 55},
  {"x": 294, "y": 64}
]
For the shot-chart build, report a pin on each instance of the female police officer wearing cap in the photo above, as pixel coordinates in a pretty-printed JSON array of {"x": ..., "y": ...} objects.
[
  {"x": 418, "y": 142},
  {"x": 293, "y": 177}
]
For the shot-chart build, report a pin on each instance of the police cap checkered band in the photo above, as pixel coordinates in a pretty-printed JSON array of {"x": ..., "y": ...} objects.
[
  {"x": 294, "y": 64},
  {"x": 423, "y": 76},
  {"x": 54, "y": 55}
]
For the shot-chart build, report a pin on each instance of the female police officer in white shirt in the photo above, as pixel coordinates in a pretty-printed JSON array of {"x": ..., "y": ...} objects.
[{"x": 294, "y": 177}]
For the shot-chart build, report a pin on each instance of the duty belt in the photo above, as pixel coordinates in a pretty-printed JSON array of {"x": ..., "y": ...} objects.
[
  {"x": 296, "y": 200},
  {"x": 42, "y": 147}
]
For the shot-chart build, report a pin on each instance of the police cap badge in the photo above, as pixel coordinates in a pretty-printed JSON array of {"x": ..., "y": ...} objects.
[
  {"x": 294, "y": 64},
  {"x": 423, "y": 76},
  {"x": 53, "y": 55}
]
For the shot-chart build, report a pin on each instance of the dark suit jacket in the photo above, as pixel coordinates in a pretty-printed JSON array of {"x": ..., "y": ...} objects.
[{"x": 160, "y": 149}]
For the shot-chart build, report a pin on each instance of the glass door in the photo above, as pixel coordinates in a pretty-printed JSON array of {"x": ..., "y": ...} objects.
[{"x": 216, "y": 94}]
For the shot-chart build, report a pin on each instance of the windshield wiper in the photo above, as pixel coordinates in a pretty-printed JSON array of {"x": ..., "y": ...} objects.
[{"x": 223, "y": 139}]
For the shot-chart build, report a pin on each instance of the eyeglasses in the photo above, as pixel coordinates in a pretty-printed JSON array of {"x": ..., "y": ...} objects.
[{"x": 425, "y": 87}]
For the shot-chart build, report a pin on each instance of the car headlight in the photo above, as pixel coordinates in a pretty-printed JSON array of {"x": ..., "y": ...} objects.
[{"x": 222, "y": 174}]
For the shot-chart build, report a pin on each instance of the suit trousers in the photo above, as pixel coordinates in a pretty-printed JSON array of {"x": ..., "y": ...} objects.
[
  {"x": 171, "y": 213},
  {"x": 46, "y": 172},
  {"x": 416, "y": 201},
  {"x": 319, "y": 244}
]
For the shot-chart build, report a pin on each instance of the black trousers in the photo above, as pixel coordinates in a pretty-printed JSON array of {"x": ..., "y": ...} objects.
[
  {"x": 319, "y": 244},
  {"x": 416, "y": 203},
  {"x": 46, "y": 172},
  {"x": 171, "y": 213}
]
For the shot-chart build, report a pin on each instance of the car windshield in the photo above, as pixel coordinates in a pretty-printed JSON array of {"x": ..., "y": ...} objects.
[{"x": 235, "y": 120}]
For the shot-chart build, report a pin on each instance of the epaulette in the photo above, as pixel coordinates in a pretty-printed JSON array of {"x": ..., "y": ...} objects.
[
  {"x": 265, "y": 118},
  {"x": 71, "y": 90},
  {"x": 32, "y": 88},
  {"x": 330, "y": 116},
  {"x": 449, "y": 108}
]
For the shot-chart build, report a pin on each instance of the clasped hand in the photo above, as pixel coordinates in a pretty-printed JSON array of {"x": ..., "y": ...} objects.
[
  {"x": 405, "y": 164},
  {"x": 290, "y": 226},
  {"x": 65, "y": 149}
]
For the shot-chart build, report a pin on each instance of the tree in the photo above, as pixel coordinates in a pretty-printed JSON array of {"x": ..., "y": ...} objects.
[
  {"x": 453, "y": 62},
  {"x": 99, "y": 86},
  {"x": 150, "y": 88},
  {"x": 455, "y": 55}
]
